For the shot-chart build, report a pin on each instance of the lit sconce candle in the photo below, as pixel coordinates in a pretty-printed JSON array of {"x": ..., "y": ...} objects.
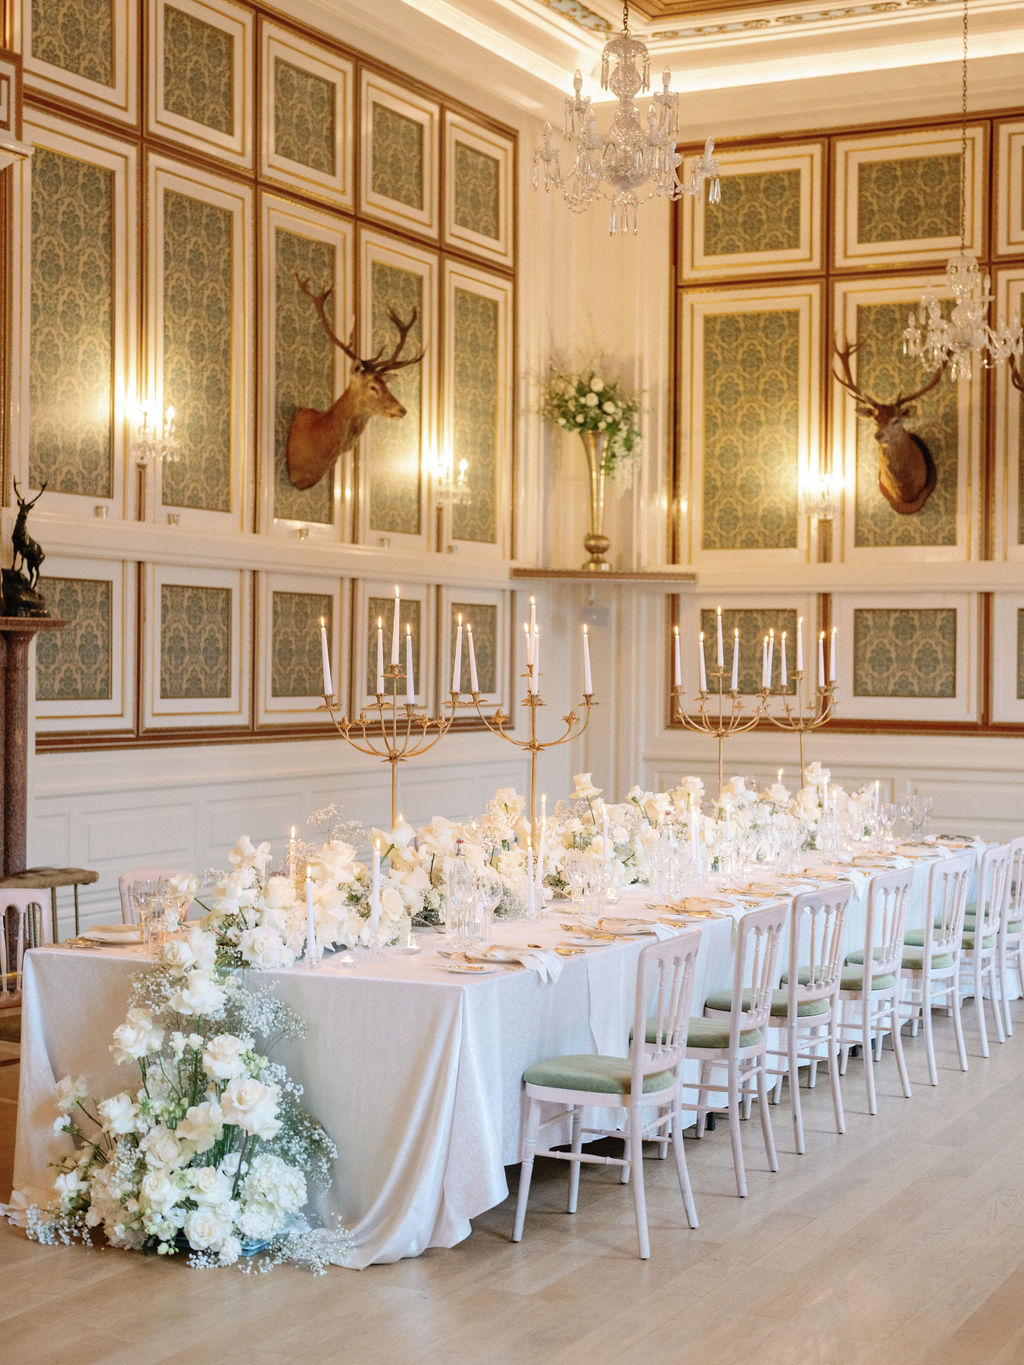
[
  {"x": 395, "y": 629},
  {"x": 735, "y": 683},
  {"x": 800, "y": 644},
  {"x": 678, "y": 670},
  {"x": 325, "y": 659},
  {"x": 529, "y": 645},
  {"x": 410, "y": 681},
  {"x": 719, "y": 651},
  {"x": 457, "y": 666},
  {"x": 536, "y": 659},
  {"x": 380, "y": 656},
  {"x": 474, "y": 683},
  {"x": 533, "y": 614},
  {"x": 832, "y": 655},
  {"x": 588, "y": 688},
  {"x": 703, "y": 670},
  {"x": 764, "y": 662},
  {"x": 821, "y": 658},
  {"x": 783, "y": 675},
  {"x": 771, "y": 657},
  {"x": 779, "y": 778}
]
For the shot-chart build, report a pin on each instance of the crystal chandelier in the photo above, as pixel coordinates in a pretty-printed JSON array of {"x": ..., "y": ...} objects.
[
  {"x": 965, "y": 337},
  {"x": 633, "y": 163}
]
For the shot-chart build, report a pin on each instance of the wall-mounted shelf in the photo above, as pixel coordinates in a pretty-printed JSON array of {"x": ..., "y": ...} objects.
[{"x": 677, "y": 576}]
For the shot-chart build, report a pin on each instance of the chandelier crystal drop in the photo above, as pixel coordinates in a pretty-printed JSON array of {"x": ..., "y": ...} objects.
[
  {"x": 638, "y": 158},
  {"x": 964, "y": 339}
]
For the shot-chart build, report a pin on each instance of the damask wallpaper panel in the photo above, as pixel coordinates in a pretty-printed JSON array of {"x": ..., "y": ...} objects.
[
  {"x": 750, "y": 416},
  {"x": 82, "y": 52},
  {"x": 301, "y": 366},
  {"x": 477, "y": 420},
  {"x": 479, "y": 169},
  {"x": 1008, "y": 430},
  {"x": 373, "y": 600},
  {"x": 201, "y": 300},
  {"x": 290, "y": 682},
  {"x": 1006, "y": 657},
  {"x": 487, "y": 611},
  {"x": 200, "y": 94},
  {"x": 397, "y": 454},
  {"x": 1009, "y": 183},
  {"x": 769, "y": 221},
  {"x": 399, "y": 165},
  {"x": 84, "y": 673},
  {"x": 898, "y": 196},
  {"x": 78, "y": 311},
  {"x": 946, "y": 419},
  {"x": 307, "y": 133},
  {"x": 754, "y": 624},
  {"x": 907, "y": 656},
  {"x": 198, "y": 646}
]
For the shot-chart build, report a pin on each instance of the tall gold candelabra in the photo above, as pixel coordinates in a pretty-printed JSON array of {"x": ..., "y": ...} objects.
[
  {"x": 574, "y": 727},
  {"x": 726, "y": 723},
  {"x": 800, "y": 716},
  {"x": 392, "y": 730}
]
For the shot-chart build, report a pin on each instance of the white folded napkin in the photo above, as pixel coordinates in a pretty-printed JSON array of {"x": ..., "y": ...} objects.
[{"x": 547, "y": 965}]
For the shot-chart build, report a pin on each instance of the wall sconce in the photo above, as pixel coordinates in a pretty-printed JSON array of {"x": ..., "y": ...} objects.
[
  {"x": 821, "y": 498},
  {"x": 451, "y": 487},
  {"x": 149, "y": 445}
]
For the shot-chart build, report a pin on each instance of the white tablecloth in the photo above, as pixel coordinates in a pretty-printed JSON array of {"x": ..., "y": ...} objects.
[{"x": 416, "y": 1074}]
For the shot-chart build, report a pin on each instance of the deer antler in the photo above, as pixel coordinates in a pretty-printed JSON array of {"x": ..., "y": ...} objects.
[
  {"x": 320, "y": 300},
  {"x": 843, "y": 355},
  {"x": 403, "y": 329},
  {"x": 902, "y": 402},
  {"x": 1016, "y": 378}
]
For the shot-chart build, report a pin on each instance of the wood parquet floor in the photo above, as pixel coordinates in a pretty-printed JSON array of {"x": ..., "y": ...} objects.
[{"x": 902, "y": 1241}]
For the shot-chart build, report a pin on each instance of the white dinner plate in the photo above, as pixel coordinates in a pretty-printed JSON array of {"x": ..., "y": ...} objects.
[{"x": 466, "y": 968}]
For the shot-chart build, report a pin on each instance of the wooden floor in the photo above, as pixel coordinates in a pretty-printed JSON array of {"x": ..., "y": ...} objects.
[{"x": 901, "y": 1242}]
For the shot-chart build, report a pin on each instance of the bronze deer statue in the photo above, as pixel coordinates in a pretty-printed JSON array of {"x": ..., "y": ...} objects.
[
  {"x": 29, "y": 551},
  {"x": 316, "y": 439},
  {"x": 906, "y": 470}
]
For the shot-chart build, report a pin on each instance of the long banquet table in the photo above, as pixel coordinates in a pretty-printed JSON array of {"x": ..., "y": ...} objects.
[{"x": 416, "y": 1073}]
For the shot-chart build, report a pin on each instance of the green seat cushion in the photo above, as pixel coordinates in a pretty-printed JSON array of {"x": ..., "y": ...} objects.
[
  {"x": 986, "y": 942},
  {"x": 722, "y": 1000},
  {"x": 604, "y": 1075},
  {"x": 1014, "y": 927},
  {"x": 913, "y": 959},
  {"x": 852, "y": 978},
  {"x": 915, "y": 937},
  {"x": 715, "y": 1033}
]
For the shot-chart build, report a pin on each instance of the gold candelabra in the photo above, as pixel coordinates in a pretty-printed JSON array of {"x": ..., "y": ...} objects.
[
  {"x": 574, "y": 727},
  {"x": 800, "y": 715},
  {"x": 392, "y": 730},
  {"x": 727, "y": 722}
]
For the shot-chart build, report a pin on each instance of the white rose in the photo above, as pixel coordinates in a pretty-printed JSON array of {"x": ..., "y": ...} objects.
[
  {"x": 335, "y": 862},
  {"x": 778, "y": 794},
  {"x": 204, "y": 947},
  {"x": 69, "y": 1092},
  {"x": 184, "y": 885},
  {"x": 206, "y": 1229},
  {"x": 264, "y": 948},
  {"x": 591, "y": 400},
  {"x": 251, "y": 1105},
  {"x": 158, "y": 1191},
  {"x": 222, "y": 1056},
  {"x": 608, "y": 407},
  {"x": 136, "y": 1036},
  {"x": 117, "y": 1114},
  {"x": 656, "y": 806},
  {"x": 596, "y": 384},
  {"x": 200, "y": 995},
  {"x": 247, "y": 855},
  {"x": 178, "y": 954},
  {"x": 162, "y": 1147},
  {"x": 70, "y": 1187},
  {"x": 583, "y": 788},
  {"x": 279, "y": 893},
  {"x": 580, "y": 418},
  {"x": 202, "y": 1126},
  {"x": 207, "y": 1185}
]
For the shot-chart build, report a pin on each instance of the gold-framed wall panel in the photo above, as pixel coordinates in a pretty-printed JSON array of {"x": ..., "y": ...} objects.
[
  {"x": 233, "y": 142},
  {"x": 491, "y": 488},
  {"x": 413, "y": 201},
  {"x": 798, "y": 169},
  {"x": 1008, "y": 431},
  {"x": 905, "y": 644},
  {"x": 379, "y": 457},
  {"x": 208, "y": 644},
  {"x": 1009, "y": 188},
  {"x": 166, "y": 176},
  {"x": 279, "y": 215},
  {"x": 848, "y": 440},
  {"x": 494, "y": 241},
  {"x": 488, "y": 611},
  {"x": 852, "y": 249},
  {"x": 117, "y": 99},
  {"x": 1006, "y": 658},
  {"x": 120, "y": 159},
  {"x": 804, "y": 301},
  {"x": 106, "y": 646},
  {"x": 317, "y": 64},
  {"x": 275, "y": 706}
]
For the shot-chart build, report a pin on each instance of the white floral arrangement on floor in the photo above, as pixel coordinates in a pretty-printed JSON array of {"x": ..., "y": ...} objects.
[{"x": 211, "y": 1154}]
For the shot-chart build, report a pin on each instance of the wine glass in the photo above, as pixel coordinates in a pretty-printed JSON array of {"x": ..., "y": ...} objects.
[{"x": 489, "y": 891}]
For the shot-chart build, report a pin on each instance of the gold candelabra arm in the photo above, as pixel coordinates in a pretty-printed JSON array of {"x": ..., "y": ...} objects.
[
  {"x": 800, "y": 716},
  {"x": 725, "y": 724}
]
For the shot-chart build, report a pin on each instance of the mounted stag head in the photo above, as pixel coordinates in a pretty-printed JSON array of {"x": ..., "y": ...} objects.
[
  {"x": 906, "y": 470},
  {"x": 1016, "y": 378},
  {"x": 316, "y": 439}
]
